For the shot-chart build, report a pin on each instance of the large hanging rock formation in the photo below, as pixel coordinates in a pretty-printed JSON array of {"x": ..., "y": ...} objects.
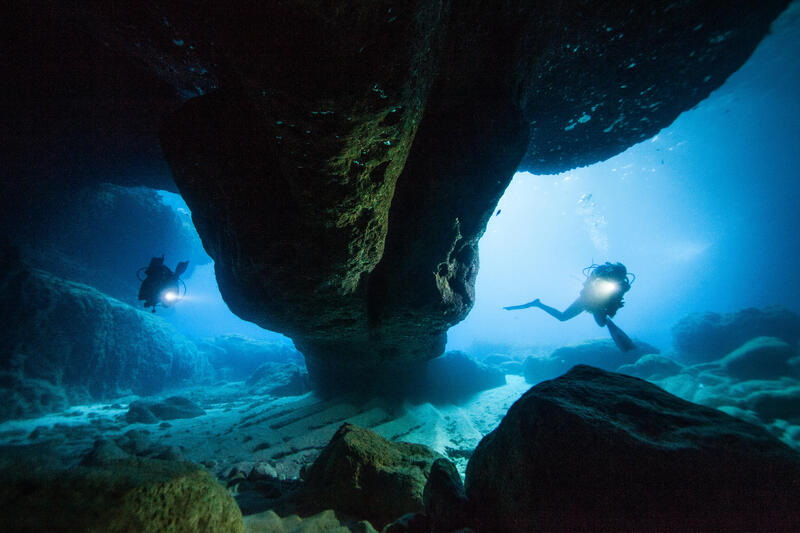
[{"x": 343, "y": 160}]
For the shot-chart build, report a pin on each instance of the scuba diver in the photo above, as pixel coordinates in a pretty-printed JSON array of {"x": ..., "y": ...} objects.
[
  {"x": 160, "y": 285},
  {"x": 601, "y": 296}
]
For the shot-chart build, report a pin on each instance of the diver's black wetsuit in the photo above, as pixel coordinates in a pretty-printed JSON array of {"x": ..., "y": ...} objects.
[{"x": 159, "y": 278}]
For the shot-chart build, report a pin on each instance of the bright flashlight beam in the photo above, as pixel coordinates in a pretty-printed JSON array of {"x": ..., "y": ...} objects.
[
  {"x": 170, "y": 296},
  {"x": 604, "y": 288}
]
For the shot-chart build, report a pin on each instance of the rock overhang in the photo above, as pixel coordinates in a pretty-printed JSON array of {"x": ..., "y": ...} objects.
[{"x": 342, "y": 161}]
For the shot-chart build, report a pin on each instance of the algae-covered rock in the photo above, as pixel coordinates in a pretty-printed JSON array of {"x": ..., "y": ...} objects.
[
  {"x": 594, "y": 450},
  {"x": 270, "y": 522},
  {"x": 364, "y": 475},
  {"x": 128, "y": 495}
]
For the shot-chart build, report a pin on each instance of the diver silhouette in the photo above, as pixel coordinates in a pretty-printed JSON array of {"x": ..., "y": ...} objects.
[
  {"x": 601, "y": 296},
  {"x": 161, "y": 285}
]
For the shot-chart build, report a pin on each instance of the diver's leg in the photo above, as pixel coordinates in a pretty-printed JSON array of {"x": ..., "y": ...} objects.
[
  {"x": 572, "y": 311},
  {"x": 534, "y": 303}
]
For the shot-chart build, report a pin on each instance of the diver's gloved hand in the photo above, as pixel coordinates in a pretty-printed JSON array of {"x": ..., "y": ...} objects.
[{"x": 534, "y": 303}]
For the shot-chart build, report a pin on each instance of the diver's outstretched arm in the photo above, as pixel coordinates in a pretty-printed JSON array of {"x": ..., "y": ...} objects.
[{"x": 576, "y": 308}]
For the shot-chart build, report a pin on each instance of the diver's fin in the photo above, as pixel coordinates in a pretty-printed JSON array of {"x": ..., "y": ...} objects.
[
  {"x": 181, "y": 268},
  {"x": 523, "y": 306},
  {"x": 622, "y": 341}
]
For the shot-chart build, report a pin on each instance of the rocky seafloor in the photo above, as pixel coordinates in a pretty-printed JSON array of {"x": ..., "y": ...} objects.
[{"x": 542, "y": 444}]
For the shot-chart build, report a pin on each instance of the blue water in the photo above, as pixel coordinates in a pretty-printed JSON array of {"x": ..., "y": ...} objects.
[
  {"x": 705, "y": 214},
  {"x": 202, "y": 312}
]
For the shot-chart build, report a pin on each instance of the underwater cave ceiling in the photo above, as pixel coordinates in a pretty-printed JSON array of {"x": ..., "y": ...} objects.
[{"x": 343, "y": 158}]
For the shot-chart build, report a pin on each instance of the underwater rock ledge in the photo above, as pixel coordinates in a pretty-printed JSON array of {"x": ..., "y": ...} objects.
[
  {"x": 342, "y": 161},
  {"x": 67, "y": 341}
]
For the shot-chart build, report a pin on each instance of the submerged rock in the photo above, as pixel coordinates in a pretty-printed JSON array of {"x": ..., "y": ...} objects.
[
  {"x": 704, "y": 337},
  {"x": 104, "y": 453},
  {"x": 171, "y": 408},
  {"x": 236, "y": 357},
  {"x": 140, "y": 413},
  {"x": 777, "y": 404},
  {"x": 602, "y": 353},
  {"x": 21, "y": 397},
  {"x": 453, "y": 378},
  {"x": 652, "y": 366},
  {"x": 278, "y": 379},
  {"x": 77, "y": 338},
  {"x": 594, "y": 450},
  {"x": 366, "y": 476},
  {"x": 444, "y": 498},
  {"x": 270, "y": 522},
  {"x": 176, "y": 407},
  {"x": 759, "y": 358},
  {"x": 132, "y": 494}
]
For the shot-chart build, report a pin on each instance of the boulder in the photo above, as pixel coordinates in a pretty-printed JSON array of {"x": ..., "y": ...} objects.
[
  {"x": 368, "y": 477},
  {"x": 77, "y": 338},
  {"x": 759, "y": 358},
  {"x": 780, "y": 404},
  {"x": 652, "y": 366},
  {"x": 704, "y": 337},
  {"x": 132, "y": 494},
  {"x": 104, "y": 453},
  {"x": 270, "y": 522},
  {"x": 140, "y": 413},
  {"x": 279, "y": 379},
  {"x": 601, "y": 353},
  {"x": 409, "y": 523},
  {"x": 176, "y": 407},
  {"x": 453, "y": 378},
  {"x": 594, "y": 450},
  {"x": 444, "y": 497},
  {"x": 171, "y": 408}
]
